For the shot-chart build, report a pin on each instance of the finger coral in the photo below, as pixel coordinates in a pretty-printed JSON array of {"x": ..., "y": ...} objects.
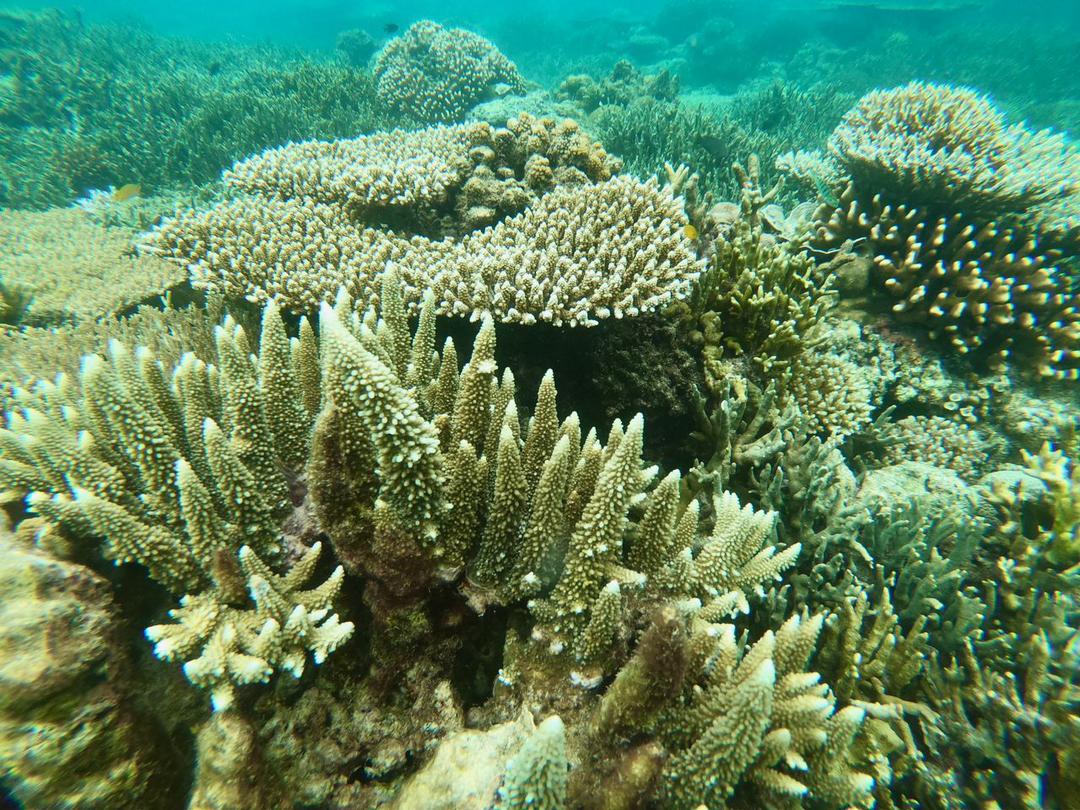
[{"x": 436, "y": 74}]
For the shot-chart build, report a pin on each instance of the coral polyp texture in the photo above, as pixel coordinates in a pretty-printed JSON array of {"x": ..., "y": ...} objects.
[
  {"x": 939, "y": 144},
  {"x": 435, "y": 74},
  {"x": 957, "y": 210},
  {"x": 568, "y": 242}
]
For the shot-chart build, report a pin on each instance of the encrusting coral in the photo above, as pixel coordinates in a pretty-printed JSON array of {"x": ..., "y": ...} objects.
[
  {"x": 314, "y": 217},
  {"x": 435, "y": 74},
  {"x": 946, "y": 198}
]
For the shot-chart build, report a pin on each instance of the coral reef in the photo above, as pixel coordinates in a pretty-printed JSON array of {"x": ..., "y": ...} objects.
[
  {"x": 88, "y": 106},
  {"x": 320, "y": 498},
  {"x": 622, "y": 86},
  {"x": 435, "y": 74}
]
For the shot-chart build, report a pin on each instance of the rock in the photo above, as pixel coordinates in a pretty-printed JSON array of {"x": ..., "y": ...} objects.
[
  {"x": 68, "y": 737},
  {"x": 467, "y": 768}
]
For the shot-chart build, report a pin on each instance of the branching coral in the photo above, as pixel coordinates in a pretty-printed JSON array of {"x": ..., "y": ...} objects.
[
  {"x": 831, "y": 392},
  {"x": 578, "y": 252},
  {"x": 944, "y": 196},
  {"x": 241, "y": 646},
  {"x": 759, "y": 296},
  {"x": 938, "y": 440},
  {"x": 759, "y": 727},
  {"x": 87, "y": 106},
  {"x": 447, "y": 476},
  {"x": 1061, "y": 541},
  {"x": 135, "y": 454},
  {"x": 536, "y": 776},
  {"x": 435, "y": 74},
  {"x": 622, "y": 86}
]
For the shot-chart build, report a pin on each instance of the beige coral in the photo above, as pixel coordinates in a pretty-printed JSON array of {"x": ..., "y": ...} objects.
[
  {"x": 238, "y": 646},
  {"x": 73, "y": 268},
  {"x": 588, "y": 245},
  {"x": 949, "y": 145},
  {"x": 437, "y": 74}
]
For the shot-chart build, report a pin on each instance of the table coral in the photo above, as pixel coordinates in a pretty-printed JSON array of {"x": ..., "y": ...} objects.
[
  {"x": 950, "y": 202},
  {"x": 66, "y": 267},
  {"x": 568, "y": 243}
]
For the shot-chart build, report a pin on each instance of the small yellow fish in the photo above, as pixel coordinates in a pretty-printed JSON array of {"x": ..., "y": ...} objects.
[
  {"x": 690, "y": 231},
  {"x": 126, "y": 192}
]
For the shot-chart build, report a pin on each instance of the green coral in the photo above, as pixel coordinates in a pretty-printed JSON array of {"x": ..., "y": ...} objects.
[
  {"x": 760, "y": 728},
  {"x": 90, "y": 106},
  {"x": 536, "y": 776},
  {"x": 137, "y": 456}
]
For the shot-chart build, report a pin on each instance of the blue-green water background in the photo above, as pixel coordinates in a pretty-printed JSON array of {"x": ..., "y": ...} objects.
[{"x": 544, "y": 38}]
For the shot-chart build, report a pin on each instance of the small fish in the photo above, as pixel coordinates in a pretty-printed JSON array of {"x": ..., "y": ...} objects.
[
  {"x": 690, "y": 232},
  {"x": 126, "y": 192},
  {"x": 214, "y": 68},
  {"x": 717, "y": 148},
  {"x": 390, "y": 28}
]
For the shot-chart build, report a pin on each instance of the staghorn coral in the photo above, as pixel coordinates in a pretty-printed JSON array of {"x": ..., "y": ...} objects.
[
  {"x": 68, "y": 267},
  {"x": 761, "y": 728},
  {"x": 945, "y": 198},
  {"x": 135, "y": 455},
  {"x": 435, "y": 74},
  {"x": 86, "y": 106},
  {"x": 576, "y": 254}
]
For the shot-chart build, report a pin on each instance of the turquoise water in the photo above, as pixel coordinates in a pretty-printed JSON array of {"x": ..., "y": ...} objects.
[{"x": 540, "y": 406}]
